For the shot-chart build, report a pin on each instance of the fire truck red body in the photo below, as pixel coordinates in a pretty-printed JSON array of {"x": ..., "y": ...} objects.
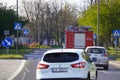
[{"x": 76, "y": 37}]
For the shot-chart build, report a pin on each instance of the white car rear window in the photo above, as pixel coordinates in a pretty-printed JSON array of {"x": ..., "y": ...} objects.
[{"x": 60, "y": 57}]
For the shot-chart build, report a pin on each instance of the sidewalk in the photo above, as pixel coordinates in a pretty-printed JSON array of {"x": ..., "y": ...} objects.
[
  {"x": 115, "y": 63},
  {"x": 9, "y": 68}
]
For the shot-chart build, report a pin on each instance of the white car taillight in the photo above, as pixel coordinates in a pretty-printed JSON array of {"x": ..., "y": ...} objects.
[
  {"x": 42, "y": 66},
  {"x": 79, "y": 65}
]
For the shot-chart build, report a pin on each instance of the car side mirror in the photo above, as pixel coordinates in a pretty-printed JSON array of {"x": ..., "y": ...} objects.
[{"x": 90, "y": 60}]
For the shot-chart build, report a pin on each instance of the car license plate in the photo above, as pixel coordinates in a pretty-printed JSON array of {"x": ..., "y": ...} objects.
[
  {"x": 94, "y": 59},
  {"x": 59, "y": 69}
]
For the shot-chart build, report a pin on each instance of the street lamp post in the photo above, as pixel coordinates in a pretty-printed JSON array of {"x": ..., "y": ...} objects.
[{"x": 98, "y": 21}]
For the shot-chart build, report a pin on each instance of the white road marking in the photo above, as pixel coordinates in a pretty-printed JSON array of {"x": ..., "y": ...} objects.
[
  {"x": 24, "y": 74},
  {"x": 27, "y": 70},
  {"x": 18, "y": 70}
]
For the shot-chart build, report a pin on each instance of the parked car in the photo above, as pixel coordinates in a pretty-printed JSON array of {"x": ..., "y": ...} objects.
[
  {"x": 99, "y": 55},
  {"x": 66, "y": 64}
]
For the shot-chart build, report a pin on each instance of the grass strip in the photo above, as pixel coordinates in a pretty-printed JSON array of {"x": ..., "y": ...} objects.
[{"x": 11, "y": 56}]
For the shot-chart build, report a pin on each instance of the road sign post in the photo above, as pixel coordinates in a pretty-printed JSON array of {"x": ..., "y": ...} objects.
[
  {"x": 26, "y": 32},
  {"x": 17, "y": 43},
  {"x": 7, "y": 42},
  {"x": 17, "y": 27},
  {"x": 116, "y": 35}
]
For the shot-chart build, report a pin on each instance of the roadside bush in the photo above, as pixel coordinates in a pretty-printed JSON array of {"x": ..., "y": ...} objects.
[
  {"x": 36, "y": 45},
  {"x": 43, "y": 46},
  {"x": 33, "y": 45}
]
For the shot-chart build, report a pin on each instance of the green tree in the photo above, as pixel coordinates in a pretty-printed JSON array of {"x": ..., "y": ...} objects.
[
  {"x": 7, "y": 19},
  {"x": 109, "y": 19}
]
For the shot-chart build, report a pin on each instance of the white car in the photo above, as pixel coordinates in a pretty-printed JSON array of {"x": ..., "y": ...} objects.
[
  {"x": 99, "y": 55},
  {"x": 66, "y": 64}
]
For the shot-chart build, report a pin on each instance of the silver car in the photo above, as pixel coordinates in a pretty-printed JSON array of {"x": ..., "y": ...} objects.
[{"x": 99, "y": 55}]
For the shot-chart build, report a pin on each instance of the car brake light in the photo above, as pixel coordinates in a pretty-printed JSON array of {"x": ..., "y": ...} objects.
[
  {"x": 106, "y": 55},
  {"x": 42, "y": 66},
  {"x": 79, "y": 65}
]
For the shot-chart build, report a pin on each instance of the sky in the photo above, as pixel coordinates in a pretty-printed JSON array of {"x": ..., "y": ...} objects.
[{"x": 79, "y": 3}]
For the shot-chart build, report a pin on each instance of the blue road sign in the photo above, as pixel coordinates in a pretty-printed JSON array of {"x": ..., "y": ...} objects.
[
  {"x": 3, "y": 44},
  {"x": 26, "y": 31},
  {"x": 94, "y": 36},
  {"x": 7, "y": 42},
  {"x": 17, "y": 26},
  {"x": 116, "y": 33}
]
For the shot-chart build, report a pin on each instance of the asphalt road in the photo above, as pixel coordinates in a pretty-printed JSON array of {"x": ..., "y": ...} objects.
[
  {"x": 112, "y": 74},
  {"x": 29, "y": 70}
]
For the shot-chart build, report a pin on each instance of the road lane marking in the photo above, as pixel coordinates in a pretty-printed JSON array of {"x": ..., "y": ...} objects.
[
  {"x": 24, "y": 74},
  {"x": 18, "y": 70},
  {"x": 27, "y": 70}
]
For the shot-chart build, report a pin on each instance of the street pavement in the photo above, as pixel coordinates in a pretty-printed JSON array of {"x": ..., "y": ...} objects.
[
  {"x": 115, "y": 63},
  {"x": 9, "y": 68}
]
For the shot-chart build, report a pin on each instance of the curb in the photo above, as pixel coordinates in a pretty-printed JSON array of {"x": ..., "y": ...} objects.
[
  {"x": 17, "y": 71},
  {"x": 115, "y": 63}
]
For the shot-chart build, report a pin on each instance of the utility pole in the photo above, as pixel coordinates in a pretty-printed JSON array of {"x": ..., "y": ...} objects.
[
  {"x": 17, "y": 30},
  {"x": 98, "y": 21},
  {"x": 17, "y": 8}
]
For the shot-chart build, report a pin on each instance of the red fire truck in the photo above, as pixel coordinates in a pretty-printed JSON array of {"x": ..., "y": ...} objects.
[{"x": 78, "y": 37}]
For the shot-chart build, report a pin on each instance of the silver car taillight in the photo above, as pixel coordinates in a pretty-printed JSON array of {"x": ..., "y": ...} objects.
[{"x": 105, "y": 55}]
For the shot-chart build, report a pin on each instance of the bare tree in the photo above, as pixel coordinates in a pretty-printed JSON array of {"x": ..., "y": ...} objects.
[
  {"x": 29, "y": 10},
  {"x": 49, "y": 20},
  {"x": 34, "y": 10},
  {"x": 56, "y": 20},
  {"x": 92, "y": 2}
]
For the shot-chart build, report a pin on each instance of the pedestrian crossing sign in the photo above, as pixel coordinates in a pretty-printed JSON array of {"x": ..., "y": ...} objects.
[
  {"x": 116, "y": 33},
  {"x": 17, "y": 26},
  {"x": 26, "y": 31}
]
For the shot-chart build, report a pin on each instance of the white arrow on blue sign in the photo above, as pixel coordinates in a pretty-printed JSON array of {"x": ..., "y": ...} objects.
[
  {"x": 116, "y": 33},
  {"x": 17, "y": 26},
  {"x": 7, "y": 42}
]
